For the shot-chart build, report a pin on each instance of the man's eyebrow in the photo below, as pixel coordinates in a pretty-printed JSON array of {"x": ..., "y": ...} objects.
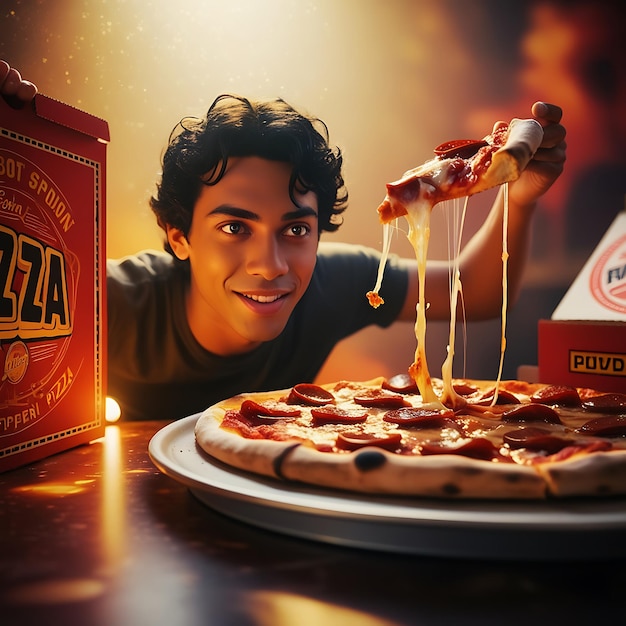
[
  {"x": 232, "y": 211},
  {"x": 305, "y": 211}
]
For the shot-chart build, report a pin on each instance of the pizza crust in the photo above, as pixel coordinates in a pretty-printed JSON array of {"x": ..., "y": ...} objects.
[
  {"x": 252, "y": 455},
  {"x": 368, "y": 470},
  {"x": 596, "y": 474},
  {"x": 523, "y": 140},
  {"x": 375, "y": 471}
]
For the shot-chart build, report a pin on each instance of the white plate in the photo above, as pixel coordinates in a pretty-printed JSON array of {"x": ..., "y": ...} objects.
[{"x": 553, "y": 530}]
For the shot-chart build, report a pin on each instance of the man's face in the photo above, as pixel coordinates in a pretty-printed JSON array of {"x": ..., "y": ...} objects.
[{"x": 252, "y": 252}]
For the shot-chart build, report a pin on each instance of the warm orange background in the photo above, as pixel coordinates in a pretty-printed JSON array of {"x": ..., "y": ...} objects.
[{"x": 391, "y": 78}]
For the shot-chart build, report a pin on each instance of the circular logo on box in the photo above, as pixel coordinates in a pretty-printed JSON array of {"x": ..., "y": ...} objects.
[
  {"x": 16, "y": 362},
  {"x": 608, "y": 277}
]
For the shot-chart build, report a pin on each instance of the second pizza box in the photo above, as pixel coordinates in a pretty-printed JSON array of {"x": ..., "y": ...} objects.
[
  {"x": 584, "y": 343},
  {"x": 52, "y": 280}
]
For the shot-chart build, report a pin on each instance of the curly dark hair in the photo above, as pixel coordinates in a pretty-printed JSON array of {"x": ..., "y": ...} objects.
[{"x": 199, "y": 149}]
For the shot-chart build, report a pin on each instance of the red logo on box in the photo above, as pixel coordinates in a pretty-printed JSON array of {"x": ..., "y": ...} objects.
[{"x": 608, "y": 277}]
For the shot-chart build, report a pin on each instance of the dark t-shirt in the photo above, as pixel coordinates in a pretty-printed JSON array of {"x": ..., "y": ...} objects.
[{"x": 156, "y": 368}]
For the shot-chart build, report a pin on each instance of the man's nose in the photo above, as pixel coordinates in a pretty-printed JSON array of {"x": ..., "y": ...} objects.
[{"x": 266, "y": 258}]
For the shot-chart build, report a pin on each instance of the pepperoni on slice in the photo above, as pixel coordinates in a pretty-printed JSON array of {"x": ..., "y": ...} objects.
[
  {"x": 266, "y": 411},
  {"x": 479, "y": 448},
  {"x": 331, "y": 414},
  {"x": 401, "y": 383},
  {"x": 607, "y": 403},
  {"x": 557, "y": 394},
  {"x": 461, "y": 148},
  {"x": 307, "y": 393},
  {"x": 531, "y": 413},
  {"x": 536, "y": 439},
  {"x": 380, "y": 398},
  {"x": 607, "y": 426},
  {"x": 355, "y": 441},
  {"x": 421, "y": 418}
]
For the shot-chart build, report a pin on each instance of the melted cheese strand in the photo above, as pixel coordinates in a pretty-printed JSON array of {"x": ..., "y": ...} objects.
[
  {"x": 449, "y": 396},
  {"x": 505, "y": 260},
  {"x": 384, "y": 257},
  {"x": 418, "y": 218}
]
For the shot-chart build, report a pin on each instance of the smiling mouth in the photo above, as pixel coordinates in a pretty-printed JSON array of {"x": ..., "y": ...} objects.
[{"x": 262, "y": 299}]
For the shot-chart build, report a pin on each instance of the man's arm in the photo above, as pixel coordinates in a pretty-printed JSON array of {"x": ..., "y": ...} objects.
[{"x": 481, "y": 259}]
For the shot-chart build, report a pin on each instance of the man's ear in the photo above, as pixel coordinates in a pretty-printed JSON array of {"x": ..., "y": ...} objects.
[{"x": 178, "y": 242}]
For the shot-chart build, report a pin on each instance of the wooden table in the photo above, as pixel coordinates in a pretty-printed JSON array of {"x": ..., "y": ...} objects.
[{"x": 98, "y": 536}]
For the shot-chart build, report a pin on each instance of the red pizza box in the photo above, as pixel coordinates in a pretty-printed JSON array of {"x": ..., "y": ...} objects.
[
  {"x": 584, "y": 343},
  {"x": 52, "y": 279}
]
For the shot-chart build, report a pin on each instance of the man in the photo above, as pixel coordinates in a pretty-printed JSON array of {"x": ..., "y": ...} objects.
[{"x": 245, "y": 298}]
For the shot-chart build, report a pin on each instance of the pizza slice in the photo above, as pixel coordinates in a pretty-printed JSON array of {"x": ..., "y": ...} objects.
[{"x": 464, "y": 167}]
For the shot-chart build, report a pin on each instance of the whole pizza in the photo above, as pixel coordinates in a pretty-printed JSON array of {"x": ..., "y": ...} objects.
[
  {"x": 417, "y": 435},
  {"x": 516, "y": 440}
]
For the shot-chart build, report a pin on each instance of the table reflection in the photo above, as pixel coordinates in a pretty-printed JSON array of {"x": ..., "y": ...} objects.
[{"x": 97, "y": 535}]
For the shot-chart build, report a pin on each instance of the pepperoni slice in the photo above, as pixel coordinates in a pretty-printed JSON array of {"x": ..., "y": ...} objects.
[
  {"x": 607, "y": 426},
  {"x": 380, "y": 398},
  {"x": 401, "y": 383},
  {"x": 560, "y": 395},
  {"x": 479, "y": 448},
  {"x": 331, "y": 414},
  {"x": 313, "y": 395},
  {"x": 421, "y": 418},
  {"x": 504, "y": 397},
  {"x": 460, "y": 148},
  {"x": 267, "y": 411},
  {"x": 355, "y": 441},
  {"x": 607, "y": 403},
  {"x": 531, "y": 413},
  {"x": 536, "y": 439},
  {"x": 464, "y": 388}
]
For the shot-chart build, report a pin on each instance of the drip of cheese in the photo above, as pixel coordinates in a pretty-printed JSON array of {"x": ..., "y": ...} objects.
[{"x": 373, "y": 296}]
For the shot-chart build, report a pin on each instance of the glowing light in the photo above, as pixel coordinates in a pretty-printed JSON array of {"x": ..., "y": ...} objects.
[
  {"x": 112, "y": 410},
  {"x": 113, "y": 525}
]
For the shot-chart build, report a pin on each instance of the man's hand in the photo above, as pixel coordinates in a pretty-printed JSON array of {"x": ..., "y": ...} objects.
[
  {"x": 547, "y": 164},
  {"x": 13, "y": 88}
]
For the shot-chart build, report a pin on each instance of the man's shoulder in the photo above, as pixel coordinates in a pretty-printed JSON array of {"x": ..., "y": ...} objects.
[
  {"x": 337, "y": 251},
  {"x": 144, "y": 267},
  {"x": 148, "y": 278}
]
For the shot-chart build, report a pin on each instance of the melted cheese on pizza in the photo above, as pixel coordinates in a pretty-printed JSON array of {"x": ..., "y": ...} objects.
[{"x": 529, "y": 424}]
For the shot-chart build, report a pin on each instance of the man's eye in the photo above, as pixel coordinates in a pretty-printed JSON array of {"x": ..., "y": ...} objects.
[
  {"x": 232, "y": 228},
  {"x": 298, "y": 230}
]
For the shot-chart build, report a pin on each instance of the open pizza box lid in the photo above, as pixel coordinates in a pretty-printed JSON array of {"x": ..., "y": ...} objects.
[
  {"x": 584, "y": 343},
  {"x": 599, "y": 290}
]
